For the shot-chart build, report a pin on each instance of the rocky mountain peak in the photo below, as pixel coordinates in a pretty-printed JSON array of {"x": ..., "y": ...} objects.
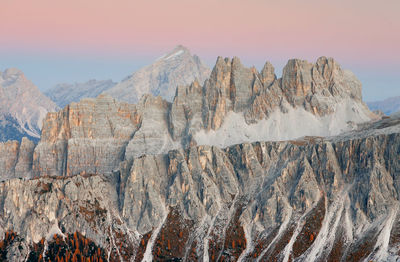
[
  {"x": 12, "y": 72},
  {"x": 268, "y": 74},
  {"x": 176, "y": 68},
  {"x": 22, "y": 106},
  {"x": 10, "y": 76}
]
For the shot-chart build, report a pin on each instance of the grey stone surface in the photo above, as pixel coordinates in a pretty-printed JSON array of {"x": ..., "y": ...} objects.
[{"x": 277, "y": 184}]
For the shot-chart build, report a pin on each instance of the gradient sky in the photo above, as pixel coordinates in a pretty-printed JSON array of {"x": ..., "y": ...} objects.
[{"x": 77, "y": 40}]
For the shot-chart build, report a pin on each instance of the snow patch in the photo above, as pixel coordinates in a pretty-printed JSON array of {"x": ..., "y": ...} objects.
[
  {"x": 382, "y": 243},
  {"x": 282, "y": 229},
  {"x": 54, "y": 230},
  {"x": 148, "y": 257},
  {"x": 249, "y": 243},
  {"x": 300, "y": 224},
  {"x": 326, "y": 236},
  {"x": 178, "y": 53}
]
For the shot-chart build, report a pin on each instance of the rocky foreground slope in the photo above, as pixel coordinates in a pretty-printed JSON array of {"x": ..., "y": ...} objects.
[
  {"x": 314, "y": 199},
  {"x": 191, "y": 180}
]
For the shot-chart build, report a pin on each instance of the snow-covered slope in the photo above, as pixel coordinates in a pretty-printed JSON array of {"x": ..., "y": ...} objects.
[
  {"x": 162, "y": 77},
  {"x": 22, "y": 106}
]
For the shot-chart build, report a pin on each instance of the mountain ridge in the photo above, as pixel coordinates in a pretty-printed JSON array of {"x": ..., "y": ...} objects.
[{"x": 65, "y": 93}]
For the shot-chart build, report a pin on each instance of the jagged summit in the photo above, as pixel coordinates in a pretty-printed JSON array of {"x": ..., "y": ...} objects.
[{"x": 176, "y": 68}]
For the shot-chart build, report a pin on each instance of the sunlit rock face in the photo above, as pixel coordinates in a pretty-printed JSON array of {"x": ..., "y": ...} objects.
[{"x": 311, "y": 199}]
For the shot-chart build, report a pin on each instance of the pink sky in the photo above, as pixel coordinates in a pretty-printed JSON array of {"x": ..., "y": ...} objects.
[
  {"x": 359, "y": 29},
  {"x": 363, "y": 35}
]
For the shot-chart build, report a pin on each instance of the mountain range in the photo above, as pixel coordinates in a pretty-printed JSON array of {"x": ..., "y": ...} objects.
[
  {"x": 388, "y": 106},
  {"x": 64, "y": 94},
  {"x": 243, "y": 167},
  {"x": 23, "y": 107}
]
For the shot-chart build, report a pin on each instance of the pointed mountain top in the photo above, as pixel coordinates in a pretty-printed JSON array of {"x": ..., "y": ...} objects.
[
  {"x": 176, "y": 52},
  {"x": 12, "y": 72}
]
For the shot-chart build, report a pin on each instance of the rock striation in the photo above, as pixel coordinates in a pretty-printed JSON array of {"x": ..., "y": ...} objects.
[
  {"x": 16, "y": 159},
  {"x": 22, "y": 106},
  {"x": 161, "y": 78},
  {"x": 64, "y": 94},
  {"x": 312, "y": 199}
]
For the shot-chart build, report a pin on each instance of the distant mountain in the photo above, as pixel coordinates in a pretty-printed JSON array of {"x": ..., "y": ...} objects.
[
  {"x": 177, "y": 68},
  {"x": 387, "y": 106},
  {"x": 64, "y": 94},
  {"x": 22, "y": 106}
]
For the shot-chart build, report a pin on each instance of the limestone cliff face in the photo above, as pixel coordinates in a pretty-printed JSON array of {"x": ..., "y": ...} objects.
[
  {"x": 236, "y": 104},
  {"x": 16, "y": 159},
  {"x": 312, "y": 199},
  {"x": 89, "y": 136}
]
